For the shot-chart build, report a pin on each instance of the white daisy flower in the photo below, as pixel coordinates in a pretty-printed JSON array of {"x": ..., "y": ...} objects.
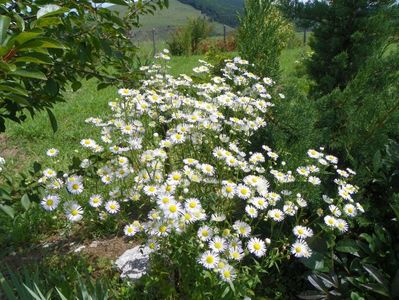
[
  {"x": 302, "y": 232},
  {"x": 251, "y": 211},
  {"x": 257, "y": 246},
  {"x": 228, "y": 274},
  {"x": 96, "y": 200},
  {"x": 52, "y": 152},
  {"x": 243, "y": 191},
  {"x": 50, "y": 202},
  {"x": 73, "y": 211},
  {"x": 276, "y": 214},
  {"x": 205, "y": 233},
  {"x": 330, "y": 221},
  {"x": 218, "y": 244},
  {"x": 301, "y": 249},
  {"x": 209, "y": 260},
  {"x": 75, "y": 187},
  {"x": 242, "y": 228},
  {"x": 112, "y": 207}
]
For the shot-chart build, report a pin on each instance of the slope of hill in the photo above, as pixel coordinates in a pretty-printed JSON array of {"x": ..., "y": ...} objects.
[
  {"x": 223, "y": 11},
  {"x": 167, "y": 20}
]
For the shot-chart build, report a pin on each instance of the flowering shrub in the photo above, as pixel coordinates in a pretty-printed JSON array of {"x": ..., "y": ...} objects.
[{"x": 171, "y": 162}]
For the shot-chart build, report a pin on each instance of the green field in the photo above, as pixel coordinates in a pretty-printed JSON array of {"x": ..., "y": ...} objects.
[
  {"x": 25, "y": 143},
  {"x": 167, "y": 19}
]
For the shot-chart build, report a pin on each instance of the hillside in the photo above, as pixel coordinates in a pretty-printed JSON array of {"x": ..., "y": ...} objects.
[
  {"x": 223, "y": 11},
  {"x": 167, "y": 20}
]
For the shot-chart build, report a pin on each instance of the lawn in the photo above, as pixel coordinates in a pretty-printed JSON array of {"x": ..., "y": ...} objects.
[{"x": 23, "y": 144}]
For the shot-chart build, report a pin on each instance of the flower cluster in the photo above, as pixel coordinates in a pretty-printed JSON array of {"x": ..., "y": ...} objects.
[
  {"x": 2, "y": 163},
  {"x": 176, "y": 152}
]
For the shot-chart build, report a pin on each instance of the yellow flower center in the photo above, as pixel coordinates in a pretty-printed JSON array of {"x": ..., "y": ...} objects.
[
  {"x": 74, "y": 212},
  {"x": 173, "y": 208},
  {"x": 50, "y": 202},
  {"x": 229, "y": 189},
  {"x": 162, "y": 229},
  {"x": 210, "y": 259},
  {"x": 257, "y": 246}
]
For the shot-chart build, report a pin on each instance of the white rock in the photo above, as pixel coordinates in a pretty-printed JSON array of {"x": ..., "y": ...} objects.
[
  {"x": 93, "y": 244},
  {"x": 80, "y": 248},
  {"x": 134, "y": 262}
]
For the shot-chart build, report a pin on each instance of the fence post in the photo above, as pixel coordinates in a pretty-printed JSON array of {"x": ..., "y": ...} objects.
[
  {"x": 153, "y": 41},
  {"x": 224, "y": 35},
  {"x": 304, "y": 36}
]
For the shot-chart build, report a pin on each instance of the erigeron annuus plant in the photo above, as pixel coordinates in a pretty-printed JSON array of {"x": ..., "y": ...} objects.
[{"x": 172, "y": 161}]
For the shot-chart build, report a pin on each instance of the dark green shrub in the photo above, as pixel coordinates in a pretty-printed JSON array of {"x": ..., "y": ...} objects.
[
  {"x": 186, "y": 40},
  {"x": 345, "y": 35},
  {"x": 262, "y": 35},
  {"x": 358, "y": 121}
]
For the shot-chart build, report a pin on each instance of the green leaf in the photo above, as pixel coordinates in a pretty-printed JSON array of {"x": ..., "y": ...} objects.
[
  {"x": 356, "y": 296},
  {"x": 19, "y": 99},
  {"x": 348, "y": 246},
  {"x": 52, "y": 87},
  {"x": 376, "y": 161},
  {"x": 76, "y": 85},
  {"x": 376, "y": 288},
  {"x": 317, "y": 283},
  {"x": 7, "y": 288},
  {"x": 60, "y": 294},
  {"x": 20, "y": 22},
  {"x": 35, "y": 57},
  {"x": 312, "y": 295},
  {"x": 8, "y": 210},
  {"x": 45, "y": 22},
  {"x": 25, "y": 202},
  {"x": 4, "y": 24},
  {"x": 375, "y": 273},
  {"x": 395, "y": 285},
  {"x": 13, "y": 89},
  {"x": 118, "y": 2},
  {"x": 226, "y": 291},
  {"x": 315, "y": 262},
  {"x": 36, "y": 295},
  {"x": 42, "y": 43},
  {"x": 53, "y": 120},
  {"x": 26, "y": 36},
  {"x": 50, "y": 10},
  {"x": 30, "y": 74}
]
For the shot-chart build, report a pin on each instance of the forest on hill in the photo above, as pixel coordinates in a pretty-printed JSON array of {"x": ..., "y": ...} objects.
[{"x": 223, "y": 11}]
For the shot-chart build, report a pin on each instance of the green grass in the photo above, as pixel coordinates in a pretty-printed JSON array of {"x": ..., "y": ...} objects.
[
  {"x": 33, "y": 137},
  {"x": 289, "y": 58},
  {"x": 176, "y": 15}
]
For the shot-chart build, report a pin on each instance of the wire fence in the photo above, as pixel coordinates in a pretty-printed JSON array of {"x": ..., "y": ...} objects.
[
  {"x": 155, "y": 39},
  {"x": 164, "y": 33}
]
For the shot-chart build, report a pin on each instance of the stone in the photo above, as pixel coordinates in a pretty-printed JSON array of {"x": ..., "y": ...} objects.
[
  {"x": 80, "y": 248},
  {"x": 94, "y": 244},
  {"x": 134, "y": 263}
]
